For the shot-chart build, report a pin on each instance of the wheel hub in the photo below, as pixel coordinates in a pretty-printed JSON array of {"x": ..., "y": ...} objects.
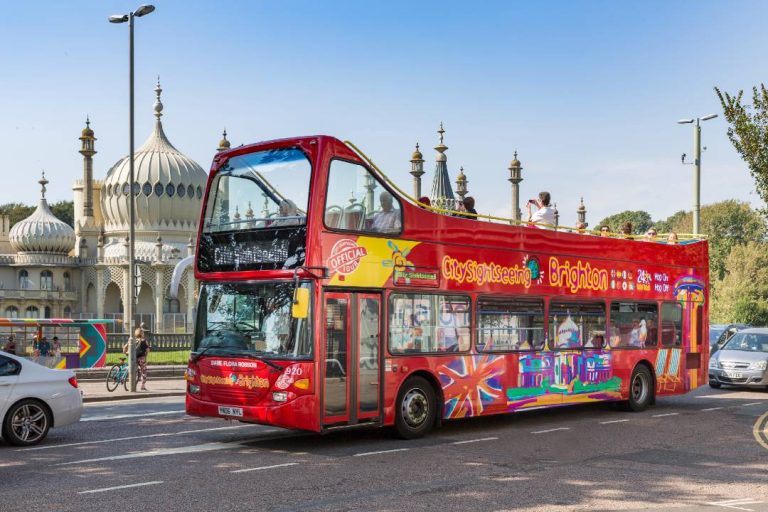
[{"x": 415, "y": 408}]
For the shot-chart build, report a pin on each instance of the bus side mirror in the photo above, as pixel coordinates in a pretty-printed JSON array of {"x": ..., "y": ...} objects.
[{"x": 300, "y": 307}]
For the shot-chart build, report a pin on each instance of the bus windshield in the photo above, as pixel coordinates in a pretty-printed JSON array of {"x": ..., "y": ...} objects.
[
  {"x": 266, "y": 189},
  {"x": 251, "y": 320}
]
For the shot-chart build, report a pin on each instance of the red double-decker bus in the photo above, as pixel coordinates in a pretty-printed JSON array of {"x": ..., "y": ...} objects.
[{"x": 328, "y": 299}]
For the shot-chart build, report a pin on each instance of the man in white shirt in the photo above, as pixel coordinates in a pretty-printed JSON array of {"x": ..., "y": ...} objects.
[
  {"x": 388, "y": 219},
  {"x": 545, "y": 213}
]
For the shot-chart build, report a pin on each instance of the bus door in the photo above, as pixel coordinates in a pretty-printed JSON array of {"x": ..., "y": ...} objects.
[{"x": 352, "y": 378}]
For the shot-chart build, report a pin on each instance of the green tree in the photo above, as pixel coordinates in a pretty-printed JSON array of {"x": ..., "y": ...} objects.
[
  {"x": 727, "y": 224},
  {"x": 640, "y": 220},
  {"x": 748, "y": 132},
  {"x": 65, "y": 212},
  {"x": 742, "y": 295},
  {"x": 16, "y": 211},
  {"x": 665, "y": 226}
]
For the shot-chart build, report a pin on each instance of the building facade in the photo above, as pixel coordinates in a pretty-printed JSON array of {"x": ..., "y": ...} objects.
[{"x": 50, "y": 270}]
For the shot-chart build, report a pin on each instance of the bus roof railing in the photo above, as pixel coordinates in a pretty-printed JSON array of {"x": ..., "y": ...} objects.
[{"x": 684, "y": 238}]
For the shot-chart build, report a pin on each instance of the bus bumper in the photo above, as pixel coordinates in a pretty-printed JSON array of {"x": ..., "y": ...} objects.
[{"x": 300, "y": 413}]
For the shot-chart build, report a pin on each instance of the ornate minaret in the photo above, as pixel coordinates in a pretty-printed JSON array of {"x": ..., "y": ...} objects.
[
  {"x": 417, "y": 171},
  {"x": 515, "y": 177},
  {"x": 461, "y": 184},
  {"x": 223, "y": 143},
  {"x": 87, "y": 149},
  {"x": 581, "y": 214},
  {"x": 442, "y": 192}
]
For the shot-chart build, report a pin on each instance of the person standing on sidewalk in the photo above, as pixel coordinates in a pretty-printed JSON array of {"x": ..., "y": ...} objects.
[{"x": 142, "y": 351}]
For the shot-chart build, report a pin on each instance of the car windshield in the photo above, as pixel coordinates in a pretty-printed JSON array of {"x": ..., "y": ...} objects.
[
  {"x": 251, "y": 320},
  {"x": 748, "y": 342},
  {"x": 262, "y": 190}
]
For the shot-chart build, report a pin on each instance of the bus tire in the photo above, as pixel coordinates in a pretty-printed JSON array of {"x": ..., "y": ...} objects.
[
  {"x": 640, "y": 389},
  {"x": 416, "y": 408}
]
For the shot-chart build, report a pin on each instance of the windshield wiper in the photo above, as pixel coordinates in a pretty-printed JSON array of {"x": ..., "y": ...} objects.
[{"x": 264, "y": 360}]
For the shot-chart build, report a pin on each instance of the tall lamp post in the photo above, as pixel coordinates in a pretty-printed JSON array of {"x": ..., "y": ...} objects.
[
  {"x": 696, "y": 167},
  {"x": 122, "y": 18}
]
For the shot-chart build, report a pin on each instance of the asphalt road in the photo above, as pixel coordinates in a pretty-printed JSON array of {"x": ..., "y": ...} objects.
[{"x": 695, "y": 452}]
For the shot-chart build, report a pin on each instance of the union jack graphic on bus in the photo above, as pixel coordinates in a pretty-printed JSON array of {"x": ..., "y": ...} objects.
[{"x": 470, "y": 384}]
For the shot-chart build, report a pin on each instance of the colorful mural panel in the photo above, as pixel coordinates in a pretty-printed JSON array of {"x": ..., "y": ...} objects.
[{"x": 471, "y": 385}]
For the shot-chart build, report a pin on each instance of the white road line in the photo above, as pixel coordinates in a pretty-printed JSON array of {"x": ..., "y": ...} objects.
[
  {"x": 136, "y": 415},
  {"x": 365, "y": 454},
  {"x": 476, "y": 440},
  {"x": 663, "y": 415},
  {"x": 550, "y": 430},
  {"x": 163, "y": 434},
  {"x": 207, "y": 447},
  {"x": 105, "y": 489},
  {"x": 733, "y": 503},
  {"x": 751, "y": 403},
  {"x": 264, "y": 467},
  {"x": 612, "y": 421},
  {"x": 712, "y": 409}
]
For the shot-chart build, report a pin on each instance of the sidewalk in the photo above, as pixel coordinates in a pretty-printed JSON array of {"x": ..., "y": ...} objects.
[{"x": 96, "y": 391}]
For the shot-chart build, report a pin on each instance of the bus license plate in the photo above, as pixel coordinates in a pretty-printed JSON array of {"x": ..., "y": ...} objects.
[
  {"x": 231, "y": 411},
  {"x": 733, "y": 375}
]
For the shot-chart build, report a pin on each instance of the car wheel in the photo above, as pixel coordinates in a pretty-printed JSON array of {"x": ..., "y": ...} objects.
[
  {"x": 640, "y": 389},
  {"x": 26, "y": 423},
  {"x": 715, "y": 385},
  {"x": 416, "y": 408}
]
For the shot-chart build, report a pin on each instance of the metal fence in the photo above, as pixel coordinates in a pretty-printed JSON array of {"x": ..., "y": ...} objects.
[{"x": 164, "y": 348}]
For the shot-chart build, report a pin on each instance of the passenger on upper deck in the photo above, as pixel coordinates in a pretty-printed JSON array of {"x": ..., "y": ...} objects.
[
  {"x": 388, "y": 219},
  {"x": 469, "y": 207},
  {"x": 626, "y": 230},
  {"x": 545, "y": 213},
  {"x": 424, "y": 201},
  {"x": 605, "y": 230},
  {"x": 288, "y": 214},
  {"x": 672, "y": 238},
  {"x": 650, "y": 235}
]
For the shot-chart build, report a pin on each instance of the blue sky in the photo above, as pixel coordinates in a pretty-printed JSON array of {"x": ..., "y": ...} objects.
[{"x": 587, "y": 92}]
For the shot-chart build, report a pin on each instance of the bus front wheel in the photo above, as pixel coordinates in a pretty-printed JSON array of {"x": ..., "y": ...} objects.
[
  {"x": 640, "y": 389},
  {"x": 416, "y": 408}
]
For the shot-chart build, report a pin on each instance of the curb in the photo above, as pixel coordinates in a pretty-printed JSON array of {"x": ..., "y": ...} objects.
[{"x": 138, "y": 396}]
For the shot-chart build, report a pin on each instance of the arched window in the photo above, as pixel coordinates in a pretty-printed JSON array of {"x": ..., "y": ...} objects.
[
  {"x": 32, "y": 312},
  {"x": 12, "y": 312},
  {"x": 47, "y": 312},
  {"x": 67, "y": 282},
  {"x": 46, "y": 280},
  {"x": 23, "y": 279},
  {"x": 171, "y": 306},
  {"x": 67, "y": 312}
]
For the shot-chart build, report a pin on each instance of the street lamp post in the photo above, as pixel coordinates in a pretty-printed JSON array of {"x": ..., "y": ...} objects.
[
  {"x": 122, "y": 18},
  {"x": 697, "y": 167}
]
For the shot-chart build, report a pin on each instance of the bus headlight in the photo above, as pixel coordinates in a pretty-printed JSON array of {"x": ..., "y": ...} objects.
[
  {"x": 713, "y": 363},
  {"x": 280, "y": 396},
  {"x": 760, "y": 365},
  {"x": 194, "y": 389},
  {"x": 190, "y": 374}
]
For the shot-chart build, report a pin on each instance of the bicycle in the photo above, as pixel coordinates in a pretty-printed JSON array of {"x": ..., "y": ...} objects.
[{"x": 117, "y": 375}]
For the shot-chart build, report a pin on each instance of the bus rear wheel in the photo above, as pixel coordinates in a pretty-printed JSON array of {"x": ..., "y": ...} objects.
[
  {"x": 416, "y": 408},
  {"x": 640, "y": 389}
]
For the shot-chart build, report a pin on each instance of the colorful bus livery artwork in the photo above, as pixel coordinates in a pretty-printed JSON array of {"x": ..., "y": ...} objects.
[{"x": 363, "y": 307}]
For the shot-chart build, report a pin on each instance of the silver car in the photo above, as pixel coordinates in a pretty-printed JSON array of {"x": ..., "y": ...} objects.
[{"x": 743, "y": 360}]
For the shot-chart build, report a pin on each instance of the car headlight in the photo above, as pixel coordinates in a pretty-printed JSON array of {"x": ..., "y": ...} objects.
[
  {"x": 760, "y": 365},
  {"x": 713, "y": 363}
]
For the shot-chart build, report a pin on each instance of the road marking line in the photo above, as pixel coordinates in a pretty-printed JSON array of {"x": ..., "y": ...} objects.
[
  {"x": 732, "y": 503},
  {"x": 550, "y": 430},
  {"x": 663, "y": 415},
  {"x": 712, "y": 409},
  {"x": 105, "y": 489},
  {"x": 476, "y": 440},
  {"x": 162, "y": 434},
  {"x": 760, "y": 430},
  {"x": 264, "y": 467},
  {"x": 160, "y": 452},
  {"x": 365, "y": 454},
  {"x": 612, "y": 421},
  {"x": 137, "y": 415},
  {"x": 751, "y": 403}
]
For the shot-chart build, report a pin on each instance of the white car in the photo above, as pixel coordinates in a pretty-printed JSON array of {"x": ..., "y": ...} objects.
[{"x": 33, "y": 399}]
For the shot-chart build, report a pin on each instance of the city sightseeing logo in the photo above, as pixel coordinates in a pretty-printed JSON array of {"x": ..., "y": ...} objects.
[{"x": 345, "y": 256}]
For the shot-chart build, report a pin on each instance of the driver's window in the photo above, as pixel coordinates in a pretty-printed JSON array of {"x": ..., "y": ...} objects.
[
  {"x": 9, "y": 367},
  {"x": 357, "y": 201}
]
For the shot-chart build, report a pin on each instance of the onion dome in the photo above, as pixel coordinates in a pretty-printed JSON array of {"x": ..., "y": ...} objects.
[
  {"x": 224, "y": 143},
  {"x": 87, "y": 132},
  {"x": 417, "y": 156},
  {"x": 168, "y": 187},
  {"x": 515, "y": 163},
  {"x": 42, "y": 232}
]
